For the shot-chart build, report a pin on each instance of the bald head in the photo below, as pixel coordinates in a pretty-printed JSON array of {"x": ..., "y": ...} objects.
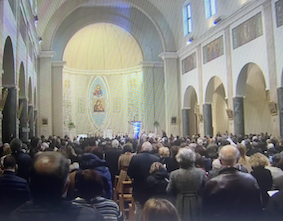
[
  {"x": 49, "y": 175},
  {"x": 228, "y": 155},
  {"x": 146, "y": 146}
]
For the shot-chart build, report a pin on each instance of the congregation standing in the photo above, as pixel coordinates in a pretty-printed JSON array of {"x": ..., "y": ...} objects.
[{"x": 173, "y": 178}]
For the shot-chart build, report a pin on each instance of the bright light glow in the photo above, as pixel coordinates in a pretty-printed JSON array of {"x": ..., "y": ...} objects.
[{"x": 210, "y": 8}]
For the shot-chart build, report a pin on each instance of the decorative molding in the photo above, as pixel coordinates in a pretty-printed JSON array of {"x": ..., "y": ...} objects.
[
  {"x": 58, "y": 63},
  {"x": 47, "y": 54},
  {"x": 152, "y": 64},
  {"x": 168, "y": 55},
  {"x": 103, "y": 72}
]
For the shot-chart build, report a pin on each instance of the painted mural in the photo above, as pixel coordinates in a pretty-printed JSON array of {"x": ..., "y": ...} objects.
[
  {"x": 279, "y": 13},
  {"x": 213, "y": 50},
  {"x": 247, "y": 31},
  {"x": 189, "y": 63},
  {"x": 99, "y": 103}
]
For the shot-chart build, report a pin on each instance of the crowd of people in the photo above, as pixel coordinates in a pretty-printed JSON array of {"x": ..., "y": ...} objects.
[{"x": 173, "y": 178}]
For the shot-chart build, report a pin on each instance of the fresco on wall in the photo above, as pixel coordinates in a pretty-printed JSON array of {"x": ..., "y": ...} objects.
[
  {"x": 189, "y": 63},
  {"x": 99, "y": 102},
  {"x": 247, "y": 31},
  {"x": 279, "y": 13},
  {"x": 213, "y": 50}
]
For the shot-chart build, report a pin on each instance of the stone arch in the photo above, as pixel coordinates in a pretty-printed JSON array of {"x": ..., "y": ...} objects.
[
  {"x": 216, "y": 96},
  {"x": 8, "y": 78},
  {"x": 190, "y": 112},
  {"x": 9, "y": 120},
  {"x": 251, "y": 85}
]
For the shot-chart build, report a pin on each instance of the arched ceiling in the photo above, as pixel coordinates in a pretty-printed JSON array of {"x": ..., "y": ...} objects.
[
  {"x": 102, "y": 46},
  {"x": 165, "y": 18}
]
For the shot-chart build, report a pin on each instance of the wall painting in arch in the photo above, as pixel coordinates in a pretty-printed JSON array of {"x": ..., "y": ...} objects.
[{"x": 99, "y": 102}]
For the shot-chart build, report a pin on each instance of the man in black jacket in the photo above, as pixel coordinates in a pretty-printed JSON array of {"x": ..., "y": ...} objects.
[
  {"x": 139, "y": 171},
  {"x": 49, "y": 182},
  {"x": 14, "y": 190},
  {"x": 232, "y": 195}
]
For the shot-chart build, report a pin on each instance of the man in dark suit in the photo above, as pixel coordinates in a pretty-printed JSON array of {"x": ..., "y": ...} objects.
[
  {"x": 232, "y": 195},
  {"x": 14, "y": 190},
  {"x": 139, "y": 171}
]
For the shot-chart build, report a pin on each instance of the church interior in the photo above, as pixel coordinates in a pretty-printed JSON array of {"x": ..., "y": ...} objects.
[{"x": 95, "y": 67}]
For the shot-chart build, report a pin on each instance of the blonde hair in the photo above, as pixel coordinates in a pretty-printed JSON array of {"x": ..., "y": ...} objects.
[
  {"x": 155, "y": 166},
  {"x": 258, "y": 160},
  {"x": 159, "y": 210},
  {"x": 164, "y": 152}
]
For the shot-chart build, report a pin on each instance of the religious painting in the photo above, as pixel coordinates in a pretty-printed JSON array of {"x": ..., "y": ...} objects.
[
  {"x": 173, "y": 120},
  {"x": 44, "y": 122},
  {"x": 189, "y": 63},
  {"x": 213, "y": 50},
  {"x": 99, "y": 105},
  {"x": 273, "y": 108},
  {"x": 247, "y": 31},
  {"x": 279, "y": 13},
  {"x": 98, "y": 102},
  {"x": 229, "y": 114}
]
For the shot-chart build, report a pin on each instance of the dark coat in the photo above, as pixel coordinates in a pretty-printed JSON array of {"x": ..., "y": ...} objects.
[
  {"x": 14, "y": 191},
  {"x": 24, "y": 163},
  {"x": 91, "y": 161},
  {"x": 139, "y": 171},
  {"x": 171, "y": 163},
  {"x": 232, "y": 195},
  {"x": 57, "y": 211},
  {"x": 157, "y": 183},
  {"x": 111, "y": 157},
  {"x": 264, "y": 180},
  {"x": 274, "y": 209}
]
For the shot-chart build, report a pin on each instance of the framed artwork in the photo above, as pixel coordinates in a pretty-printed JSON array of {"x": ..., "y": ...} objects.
[
  {"x": 213, "y": 50},
  {"x": 279, "y": 13},
  {"x": 174, "y": 120},
  {"x": 229, "y": 114},
  {"x": 99, "y": 105},
  {"x": 44, "y": 122},
  {"x": 273, "y": 108}
]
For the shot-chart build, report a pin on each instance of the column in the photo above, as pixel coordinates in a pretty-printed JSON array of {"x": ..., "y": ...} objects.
[
  {"x": 239, "y": 121},
  {"x": 154, "y": 97},
  {"x": 57, "y": 97},
  {"x": 280, "y": 109},
  {"x": 201, "y": 91},
  {"x": 31, "y": 121},
  {"x": 35, "y": 124},
  {"x": 207, "y": 120},
  {"x": 186, "y": 121},
  {"x": 172, "y": 102},
  {"x": 1, "y": 74},
  {"x": 9, "y": 122},
  {"x": 44, "y": 83},
  {"x": 24, "y": 129}
]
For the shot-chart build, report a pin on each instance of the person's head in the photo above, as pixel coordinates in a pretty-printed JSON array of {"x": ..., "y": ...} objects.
[
  {"x": 128, "y": 147},
  {"x": 258, "y": 160},
  {"x": 228, "y": 155},
  {"x": 174, "y": 151},
  {"x": 216, "y": 164},
  {"x": 49, "y": 176},
  {"x": 242, "y": 149},
  {"x": 89, "y": 184},
  {"x": 9, "y": 163},
  {"x": 159, "y": 210},
  {"x": 16, "y": 145},
  {"x": 155, "y": 167},
  {"x": 164, "y": 152},
  {"x": 6, "y": 150},
  {"x": 186, "y": 158},
  {"x": 115, "y": 143},
  {"x": 146, "y": 146},
  {"x": 278, "y": 160}
]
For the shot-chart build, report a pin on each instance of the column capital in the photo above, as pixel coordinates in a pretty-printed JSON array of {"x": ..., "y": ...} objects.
[
  {"x": 47, "y": 54},
  {"x": 58, "y": 63},
  {"x": 152, "y": 64},
  {"x": 168, "y": 55}
]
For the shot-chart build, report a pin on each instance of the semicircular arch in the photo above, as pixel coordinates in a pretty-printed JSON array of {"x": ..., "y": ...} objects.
[
  {"x": 214, "y": 84},
  {"x": 190, "y": 97},
  {"x": 22, "y": 81},
  {"x": 8, "y": 65}
]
